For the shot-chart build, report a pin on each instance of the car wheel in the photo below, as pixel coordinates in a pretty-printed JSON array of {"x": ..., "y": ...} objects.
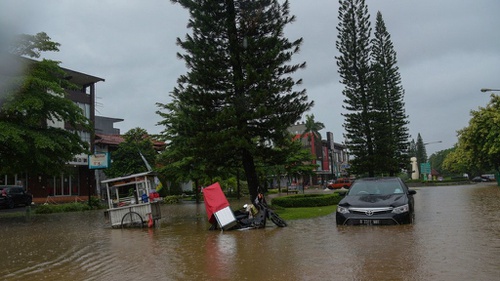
[
  {"x": 10, "y": 204},
  {"x": 412, "y": 218}
]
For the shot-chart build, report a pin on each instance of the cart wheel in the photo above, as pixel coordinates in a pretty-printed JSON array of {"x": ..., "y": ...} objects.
[{"x": 132, "y": 219}]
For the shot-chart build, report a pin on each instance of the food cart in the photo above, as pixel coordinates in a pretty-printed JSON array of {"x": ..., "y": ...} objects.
[{"x": 132, "y": 200}]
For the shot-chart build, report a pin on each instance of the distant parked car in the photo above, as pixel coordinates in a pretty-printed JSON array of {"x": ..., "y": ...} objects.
[
  {"x": 480, "y": 179},
  {"x": 13, "y": 195},
  {"x": 340, "y": 183},
  {"x": 376, "y": 201}
]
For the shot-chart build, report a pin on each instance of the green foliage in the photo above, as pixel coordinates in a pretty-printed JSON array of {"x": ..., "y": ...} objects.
[
  {"x": 460, "y": 160},
  {"x": 390, "y": 127},
  {"x": 28, "y": 143},
  {"x": 127, "y": 158},
  {"x": 353, "y": 43},
  {"x": 298, "y": 161},
  {"x": 237, "y": 99},
  {"x": 306, "y": 200},
  {"x": 375, "y": 122},
  {"x": 95, "y": 202},
  {"x": 62, "y": 208},
  {"x": 305, "y": 212},
  {"x": 172, "y": 199},
  {"x": 478, "y": 147},
  {"x": 421, "y": 151},
  {"x": 33, "y": 45},
  {"x": 437, "y": 159},
  {"x": 312, "y": 129}
]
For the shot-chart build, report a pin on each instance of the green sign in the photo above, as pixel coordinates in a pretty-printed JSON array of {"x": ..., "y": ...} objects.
[{"x": 425, "y": 168}]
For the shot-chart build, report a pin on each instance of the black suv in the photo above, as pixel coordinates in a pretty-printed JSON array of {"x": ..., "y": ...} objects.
[{"x": 13, "y": 195}]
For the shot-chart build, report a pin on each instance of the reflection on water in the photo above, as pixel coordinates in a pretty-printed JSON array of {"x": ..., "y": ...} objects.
[{"x": 456, "y": 237}]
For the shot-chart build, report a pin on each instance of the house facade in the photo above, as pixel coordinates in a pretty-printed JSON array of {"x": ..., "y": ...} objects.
[{"x": 331, "y": 158}]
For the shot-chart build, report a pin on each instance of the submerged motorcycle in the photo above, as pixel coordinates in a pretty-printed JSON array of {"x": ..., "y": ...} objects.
[{"x": 251, "y": 216}]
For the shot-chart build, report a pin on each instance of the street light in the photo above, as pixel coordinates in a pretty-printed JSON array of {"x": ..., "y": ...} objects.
[
  {"x": 489, "y": 90},
  {"x": 424, "y": 167},
  {"x": 431, "y": 142}
]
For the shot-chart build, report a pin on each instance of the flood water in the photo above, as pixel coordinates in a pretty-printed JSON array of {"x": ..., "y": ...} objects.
[{"x": 456, "y": 236}]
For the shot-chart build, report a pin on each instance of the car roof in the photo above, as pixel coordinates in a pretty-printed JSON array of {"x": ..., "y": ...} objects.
[
  {"x": 10, "y": 186},
  {"x": 379, "y": 179}
]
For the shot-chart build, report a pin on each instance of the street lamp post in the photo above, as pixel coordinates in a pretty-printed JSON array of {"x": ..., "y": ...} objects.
[
  {"x": 489, "y": 90},
  {"x": 431, "y": 142}
]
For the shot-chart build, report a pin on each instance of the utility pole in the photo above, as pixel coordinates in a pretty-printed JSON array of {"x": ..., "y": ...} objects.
[{"x": 331, "y": 149}]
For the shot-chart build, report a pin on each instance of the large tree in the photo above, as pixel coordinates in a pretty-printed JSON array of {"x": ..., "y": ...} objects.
[
  {"x": 390, "y": 129},
  {"x": 353, "y": 43},
  {"x": 237, "y": 99},
  {"x": 421, "y": 150},
  {"x": 34, "y": 99},
  {"x": 375, "y": 124},
  {"x": 437, "y": 160},
  {"x": 478, "y": 147},
  {"x": 135, "y": 155},
  {"x": 461, "y": 161}
]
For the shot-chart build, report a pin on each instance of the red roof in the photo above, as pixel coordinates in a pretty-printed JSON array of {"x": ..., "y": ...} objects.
[
  {"x": 117, "y": 139},
  {"x": 109, "y": 139}
]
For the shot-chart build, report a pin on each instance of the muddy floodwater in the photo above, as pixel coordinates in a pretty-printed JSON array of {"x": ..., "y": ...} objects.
[{"x": 456, "y": 236}]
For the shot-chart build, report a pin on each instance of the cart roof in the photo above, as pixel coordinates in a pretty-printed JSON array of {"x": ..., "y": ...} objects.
[
  {"x": 149, "y": 173},
  {"x": 215, "y": 200}
]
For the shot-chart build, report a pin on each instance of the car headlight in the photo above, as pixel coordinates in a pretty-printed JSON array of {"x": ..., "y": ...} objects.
[
  {"x": 401, "y": 209},
  {"x": 342, "y": 210}
]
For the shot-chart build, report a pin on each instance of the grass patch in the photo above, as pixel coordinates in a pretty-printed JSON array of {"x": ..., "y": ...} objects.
[
  {"x": 306, "y": 200},
  {"x": 305, "y": 212}
]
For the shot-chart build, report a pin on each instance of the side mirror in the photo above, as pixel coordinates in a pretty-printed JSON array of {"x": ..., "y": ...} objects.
[{"x": 412, "y": 191}]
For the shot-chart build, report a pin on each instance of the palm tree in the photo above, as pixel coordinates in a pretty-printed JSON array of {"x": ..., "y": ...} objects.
[
  {"x": 312, "y": 130},
  {"x": 313, "y": 136}
]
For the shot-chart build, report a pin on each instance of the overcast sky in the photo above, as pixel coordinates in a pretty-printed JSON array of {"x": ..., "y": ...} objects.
[{"x": 447, "y": 50}]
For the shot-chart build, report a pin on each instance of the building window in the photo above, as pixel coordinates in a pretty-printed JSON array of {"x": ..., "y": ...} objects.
[{"x": 85, "y": 107}]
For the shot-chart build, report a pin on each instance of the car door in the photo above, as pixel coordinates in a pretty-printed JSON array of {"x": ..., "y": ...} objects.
[{"x": 16, "y": 193}]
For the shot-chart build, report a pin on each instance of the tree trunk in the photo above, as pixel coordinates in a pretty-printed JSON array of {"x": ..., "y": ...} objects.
[{"x": 251, "y": 174}]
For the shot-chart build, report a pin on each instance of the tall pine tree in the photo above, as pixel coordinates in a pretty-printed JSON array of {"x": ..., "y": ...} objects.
[
  {"x": 353, "y": 43},
  {"x": 391, "y": 133},
  {"x": 237, "y": 98},
  {"x": 421, "y": 151},
  {"x": 375, "y": 122}
]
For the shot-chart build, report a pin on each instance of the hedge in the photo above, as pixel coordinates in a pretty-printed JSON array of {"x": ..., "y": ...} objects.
[
  {"x": 306, "y": 200},
  {"x": 62, "y": 208}
]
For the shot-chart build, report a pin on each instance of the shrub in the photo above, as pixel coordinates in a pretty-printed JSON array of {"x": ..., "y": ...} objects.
[
  {"x": 306, "y": 200},
  {"x": 95, "y": 202},
  {"x": 172, "y": 199},
  {"x": 67, "y": 207}
]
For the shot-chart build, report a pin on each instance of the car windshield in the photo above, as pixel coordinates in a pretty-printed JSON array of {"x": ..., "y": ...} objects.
[{"x": 376, "y": 187}]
